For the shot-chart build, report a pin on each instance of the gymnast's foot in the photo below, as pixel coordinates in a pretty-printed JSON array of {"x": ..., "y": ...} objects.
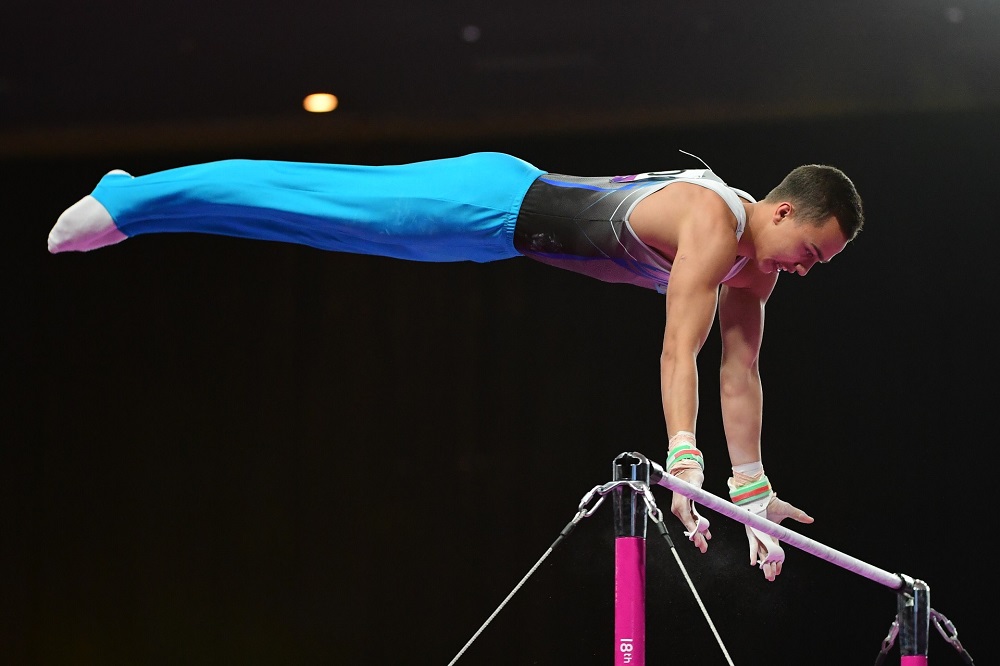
[{"x": 86, "y": 225}]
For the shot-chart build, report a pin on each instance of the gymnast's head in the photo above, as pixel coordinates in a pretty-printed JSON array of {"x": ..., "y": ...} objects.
[
  {"x": 809, "y": 218},
  {"x": 819, "y": 192}
]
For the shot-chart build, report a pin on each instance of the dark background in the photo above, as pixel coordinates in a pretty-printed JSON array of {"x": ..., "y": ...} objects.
[{"x": 226, "y": 451}]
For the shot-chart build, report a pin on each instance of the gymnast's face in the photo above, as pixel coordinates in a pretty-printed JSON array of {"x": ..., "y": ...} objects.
[{"x": 795, "y": 246}]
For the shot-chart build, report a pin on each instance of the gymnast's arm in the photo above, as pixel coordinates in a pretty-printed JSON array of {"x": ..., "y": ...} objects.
[
  {"x": 741, "y": 323},
  {"x": 706, "y": 249}
]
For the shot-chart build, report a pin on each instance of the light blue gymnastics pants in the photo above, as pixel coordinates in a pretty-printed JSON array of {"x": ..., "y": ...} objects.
[{"x": 455, "y": 209}]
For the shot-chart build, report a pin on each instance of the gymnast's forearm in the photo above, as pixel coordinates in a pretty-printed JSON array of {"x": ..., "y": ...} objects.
[{"x": 742, "y": 399}]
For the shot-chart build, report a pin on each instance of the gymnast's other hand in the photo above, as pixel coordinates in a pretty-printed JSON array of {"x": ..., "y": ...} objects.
[
  {"x": 770, "y": 563},
  {"x": 695, "y": 526},
  {"x": 778, "y": 509}
]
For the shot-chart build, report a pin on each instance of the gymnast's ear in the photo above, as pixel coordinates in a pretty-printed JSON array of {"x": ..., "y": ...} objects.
[{"x": 781, "y": 211}]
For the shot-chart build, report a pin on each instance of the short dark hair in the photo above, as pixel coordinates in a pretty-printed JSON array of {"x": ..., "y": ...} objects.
[{"x": 818, "y": 191}]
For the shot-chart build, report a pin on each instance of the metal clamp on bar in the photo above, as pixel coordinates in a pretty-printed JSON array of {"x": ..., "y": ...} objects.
[
  {"x": 631, "y": 472},
  {"x": 914, "y": 619}
]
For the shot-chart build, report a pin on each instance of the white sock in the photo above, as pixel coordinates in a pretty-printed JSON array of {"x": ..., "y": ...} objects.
[{"x": 86, "y": 225}]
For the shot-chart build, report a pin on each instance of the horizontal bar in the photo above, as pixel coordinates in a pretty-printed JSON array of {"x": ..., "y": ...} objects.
[{"x": 811, "y": 546}]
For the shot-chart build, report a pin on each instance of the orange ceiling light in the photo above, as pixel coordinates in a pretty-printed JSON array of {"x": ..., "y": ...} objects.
[{"x": 320, "y": 103}]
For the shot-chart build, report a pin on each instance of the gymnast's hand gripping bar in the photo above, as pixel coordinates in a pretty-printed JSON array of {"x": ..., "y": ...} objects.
[{"x": 843, "y": 560}]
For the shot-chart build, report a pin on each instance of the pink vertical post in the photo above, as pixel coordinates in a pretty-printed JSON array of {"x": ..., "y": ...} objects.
[
  {"x": 630, "y": 601},
  {"x": 630, "y": 558}
]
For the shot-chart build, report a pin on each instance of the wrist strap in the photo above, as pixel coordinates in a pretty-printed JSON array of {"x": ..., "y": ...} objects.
[
  {"x": 682, "y": 453},
  {"x": 755, "y": 497},
  {"x": 752, "y": 492}
]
